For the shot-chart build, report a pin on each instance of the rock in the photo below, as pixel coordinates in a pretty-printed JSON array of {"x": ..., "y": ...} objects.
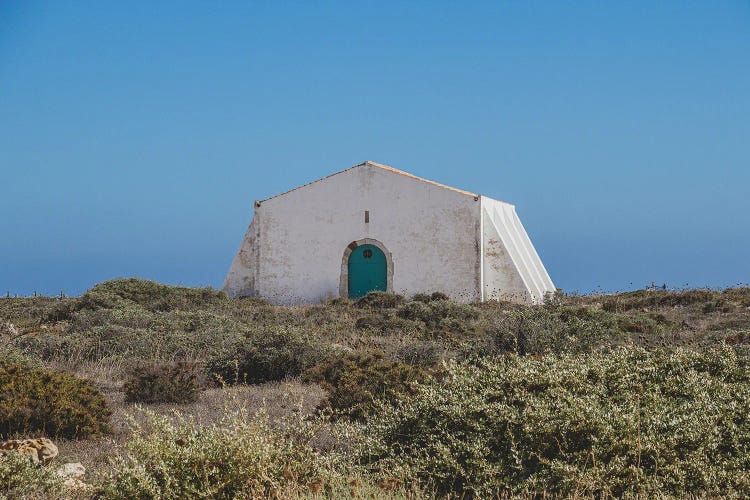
[
  {"x": 72, "y": 473},
  {"x": 74, "y": 470},
  {"x": 341, "y": 348},
  {"x": 75, "y": 484},
  {"x": 40, "y": 450},
  {"x": 9, "y": 329}
]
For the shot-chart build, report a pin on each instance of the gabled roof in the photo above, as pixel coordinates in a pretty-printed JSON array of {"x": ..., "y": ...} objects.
[{"x": 384, "y": 167}]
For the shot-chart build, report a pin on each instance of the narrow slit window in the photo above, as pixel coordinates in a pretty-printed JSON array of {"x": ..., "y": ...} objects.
[{"x": 367, "y": 216}]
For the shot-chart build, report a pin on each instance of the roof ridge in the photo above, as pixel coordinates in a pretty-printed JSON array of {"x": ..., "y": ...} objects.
[
  {"x": 378, "y": 165},
  {"x": 416, "y": 177}
]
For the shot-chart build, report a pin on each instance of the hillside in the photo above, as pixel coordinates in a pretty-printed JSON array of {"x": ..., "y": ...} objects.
[{"x": 641, "y": 393}]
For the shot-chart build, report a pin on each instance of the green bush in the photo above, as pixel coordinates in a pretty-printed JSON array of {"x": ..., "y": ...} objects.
[
  {"x": 253, "y": 310},
  {"x": 380, "y": 300},
  {"x": 415, "y": 311},
  {"x": 342, "y": 302},
  {"x": 718, "y": 305},
  {"x": 636, "y": 323},
  {"x": 429, "y": 297},
  {"x": 387, "y": 324},
  {"x": 52, "y": 403},
  {"x": 440, "y": 314},
  {"x": 132, "y": 334},
  {"x": 355, "y": 382},
  {"x": 267, "y": 356},
  {"x": 149, "y": 295},
  {"x": 163, "y": 383},
  {"x": 740, "y": 296},
  {"x": 239, "y": 457},
  {"x": 20, "y": 478},
  {"x": 424, "y": 353},
  {"x": 642, "y": 299},
  {"x": 538, "y": 330},
  {"x": 625, "y": 423}
]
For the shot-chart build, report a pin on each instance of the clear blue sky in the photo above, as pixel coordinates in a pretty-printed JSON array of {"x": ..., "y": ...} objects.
[{"x": 134, "y": 136}]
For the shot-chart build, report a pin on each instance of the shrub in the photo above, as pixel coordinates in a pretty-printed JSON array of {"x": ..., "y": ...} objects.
[
  {"x": 27, "y": 311},
  {"x": 266, "y": 356},
  {"x": 239, "y": 457},
  {"x": 324, "y": 315},
  {"x": 719, "y": 305},
  {"x": 740, "y": 296},
  {"x": 553, "y": 299},
  {"x": 342, "y": 302},
  {"x": 354, "y": 382},
  {"x": 538, "y": 330},
  {"x": 253, "y": 310},
  {"x": 625, "y": 423},
  {"x": 641, "y": 299},
  {"x": 20, "y": 478},
  {"x": 386, "y": 324},
  {"x": 163, "y": 383},
  {"x": 429, "y": 297},
  {"x": 52, "y": 403},
  {"x": 638, "y": 324},
  {"x": 149, "y": 295},
  {"x": 424, "y": 353},
  {"x": 415, "y": 311},
  {"x": 380, "y": 300},
  {"x": 131, "y": 334},
  {"x": 371, "y": 322},
  {"x": 440, "y": 314}
]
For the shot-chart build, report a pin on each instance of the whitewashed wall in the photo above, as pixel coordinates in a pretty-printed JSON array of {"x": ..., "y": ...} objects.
[{"x": 292, "y": 252}]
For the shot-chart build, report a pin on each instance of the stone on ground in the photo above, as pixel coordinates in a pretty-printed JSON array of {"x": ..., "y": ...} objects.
[{"x": 40, "y": 450}]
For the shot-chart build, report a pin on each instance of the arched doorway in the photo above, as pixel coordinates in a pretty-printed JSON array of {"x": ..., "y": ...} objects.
[
  {"x": 349, "y": 250},
  {"x": 367, "y": 271}
]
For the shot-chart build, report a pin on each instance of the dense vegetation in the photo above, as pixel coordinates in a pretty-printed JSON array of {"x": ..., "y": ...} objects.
[
  {"x": 637, "y": 394},
  {"x": 50, "y": 403},
  {"x": 19, "y": 478},
  {"x": 176, "y": 382},
  {"x": 356, "y": 383},
  {"x": 627, "y": 422}
]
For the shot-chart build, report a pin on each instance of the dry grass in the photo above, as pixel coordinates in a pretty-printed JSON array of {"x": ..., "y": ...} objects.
[{"x": 277, "y": 399}]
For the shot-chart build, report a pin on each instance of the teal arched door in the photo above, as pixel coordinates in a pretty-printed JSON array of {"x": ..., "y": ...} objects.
[{"x": 368, "y": 271}]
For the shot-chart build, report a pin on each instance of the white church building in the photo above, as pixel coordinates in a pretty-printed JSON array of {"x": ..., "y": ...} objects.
[{"x": 372, "y": 227}]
